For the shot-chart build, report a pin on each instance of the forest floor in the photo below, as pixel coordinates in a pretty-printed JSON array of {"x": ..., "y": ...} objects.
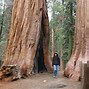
[{"x": 42, "y": 81}]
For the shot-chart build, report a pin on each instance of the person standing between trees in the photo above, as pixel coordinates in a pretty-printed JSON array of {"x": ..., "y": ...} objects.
[{"x": 56, "y": 64}]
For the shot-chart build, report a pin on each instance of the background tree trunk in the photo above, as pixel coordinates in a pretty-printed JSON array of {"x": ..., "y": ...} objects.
[
  {"x": 28, "y": 18},
  {"x": 53, "y": 30},
  {"x": 81, "y": 41},
  {"x": 61, "y": 61},
  {"x": 53, "y": 48}
]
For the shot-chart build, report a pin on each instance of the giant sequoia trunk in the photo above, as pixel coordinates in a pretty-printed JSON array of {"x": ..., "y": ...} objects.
[
  {"x": 29, "y": 20},
  {"x": 81, "y": 41}
]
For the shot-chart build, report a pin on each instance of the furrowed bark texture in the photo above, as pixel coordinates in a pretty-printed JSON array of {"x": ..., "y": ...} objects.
[
  {"x": 28, "y": 17},
  {"x": 81, "y": 41}
]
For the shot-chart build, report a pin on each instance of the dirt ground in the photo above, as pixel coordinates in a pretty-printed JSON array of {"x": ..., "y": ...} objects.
[{"x": 42, "y": 81}]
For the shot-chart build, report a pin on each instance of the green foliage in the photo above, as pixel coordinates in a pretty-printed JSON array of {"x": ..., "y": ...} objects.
[
  {"x": 5, "y": 20},
  {"x": 6, "y": 23},
  {"x": 63, "y": 23},
  {"x": 56, "y": 24},
  {"x": 2, "y": 49},
  {"x": 69, "y": 24}
]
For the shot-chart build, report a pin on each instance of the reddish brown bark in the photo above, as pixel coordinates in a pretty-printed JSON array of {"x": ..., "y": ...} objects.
[
  {"x": 61, "y": 61},
  {"x": 81, "y": 44},
  {"x": 28, "y": 18},
  {"x": 53, "y": 48}
]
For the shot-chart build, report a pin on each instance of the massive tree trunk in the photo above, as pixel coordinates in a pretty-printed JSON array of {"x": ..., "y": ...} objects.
[
  {"x": 29, "y": 19},
  {"x": 81, "y": 41}
]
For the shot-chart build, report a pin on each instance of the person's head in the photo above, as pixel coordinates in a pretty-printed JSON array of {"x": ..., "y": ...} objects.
[{"x": 55, "y": 54}]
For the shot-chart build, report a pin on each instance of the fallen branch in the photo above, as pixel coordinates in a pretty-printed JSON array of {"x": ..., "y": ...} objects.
[{"x": 9, "y": 71}]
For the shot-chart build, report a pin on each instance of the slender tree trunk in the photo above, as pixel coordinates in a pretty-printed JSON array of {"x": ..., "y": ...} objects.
[
  {"x": 81, "y": 41},
  {"x": 53, "y": 34},
  {"x": 28, "y": 17},
  {"x": 61, "y": 61},
  {"x": 53, "y": 48}
]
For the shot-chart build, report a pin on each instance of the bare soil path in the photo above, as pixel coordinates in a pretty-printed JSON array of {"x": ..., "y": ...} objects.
[{"x": 42, "y": 81}]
